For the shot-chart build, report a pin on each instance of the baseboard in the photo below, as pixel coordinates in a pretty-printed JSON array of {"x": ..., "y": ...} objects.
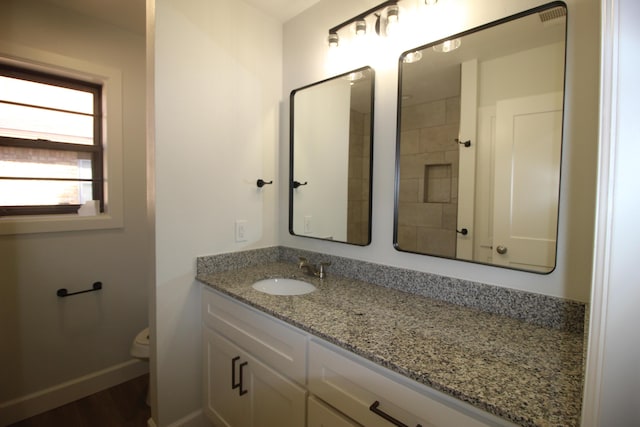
[
  {"x": 35, "y": 403},
  {"x": 194, "y": 419}
]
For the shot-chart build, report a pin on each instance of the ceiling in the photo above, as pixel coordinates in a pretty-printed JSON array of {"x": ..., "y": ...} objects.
[
  {"x": 127, "y": 14},
  {"x": 130, "y": 14},
  {"x": 282, "y": 10}
]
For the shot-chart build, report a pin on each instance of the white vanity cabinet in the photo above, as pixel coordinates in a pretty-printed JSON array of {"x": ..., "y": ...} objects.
[
  {"x": 262, "y": 372},
  {"x": 254, "y": 367}
]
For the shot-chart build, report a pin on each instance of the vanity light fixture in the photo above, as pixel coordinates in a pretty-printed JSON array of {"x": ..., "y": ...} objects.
[{"x": 390, "y": 17}]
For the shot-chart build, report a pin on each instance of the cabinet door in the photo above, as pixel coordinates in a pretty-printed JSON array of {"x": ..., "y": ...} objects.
[
  {"x": 261, "y": 396},
  {"x": 275, "y": 400},
  {"x": 224, "y": 406},
  {"x": 322, "y": 415}
]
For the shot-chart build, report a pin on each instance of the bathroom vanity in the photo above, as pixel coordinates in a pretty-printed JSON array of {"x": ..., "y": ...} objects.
[{"x": 352, "y": 353}]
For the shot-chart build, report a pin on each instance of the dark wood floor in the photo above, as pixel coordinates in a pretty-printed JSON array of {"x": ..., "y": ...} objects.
[{"x": 120, "y": 406}]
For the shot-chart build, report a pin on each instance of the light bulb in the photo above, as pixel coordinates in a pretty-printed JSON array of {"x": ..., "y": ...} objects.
[
  {"x": 356, "y": 75},
  {"x": 361, "y": 27},
  {"x": 392, "y": 13},
  {"x": 412, "y": 57},
  {"x": 448, "y": 45},
  {"x": 333, "y": 39},
  {"x": 392, "y": 20}
]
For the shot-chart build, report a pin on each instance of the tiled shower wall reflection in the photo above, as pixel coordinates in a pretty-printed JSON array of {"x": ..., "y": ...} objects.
[
  {"x": 428, "y": 198},
  {"x": 358, "y": 195}
]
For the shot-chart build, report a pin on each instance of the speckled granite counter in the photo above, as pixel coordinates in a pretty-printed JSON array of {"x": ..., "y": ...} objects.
[{"x": 528, "y": 374}]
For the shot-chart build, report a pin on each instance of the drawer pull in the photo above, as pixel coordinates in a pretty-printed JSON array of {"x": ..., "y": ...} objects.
[
  {"x": 233, "y": 373},
  {"x": 379, "y": 412},
  {"x": 242, "y": 365},
  {"x": 238, "y": 385}
]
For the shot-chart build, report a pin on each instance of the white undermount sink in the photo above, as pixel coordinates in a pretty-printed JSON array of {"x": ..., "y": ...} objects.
[{"x": 283, "y": 287}]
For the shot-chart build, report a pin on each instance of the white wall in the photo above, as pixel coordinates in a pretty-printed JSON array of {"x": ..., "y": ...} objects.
[
  {"x": 613, "y": 374},
  {"x": 52, "y": 346},
  {"x": 499, "y": 78},
  {"x": 305, "y": 53},
  {"x": 217, "y": 92}
]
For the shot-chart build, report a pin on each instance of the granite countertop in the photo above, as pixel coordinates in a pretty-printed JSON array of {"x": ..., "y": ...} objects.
[{"x": 527, "y": 374}]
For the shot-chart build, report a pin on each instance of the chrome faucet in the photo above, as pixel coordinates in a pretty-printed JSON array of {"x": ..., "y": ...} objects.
[{"x": 311, "y": 270}]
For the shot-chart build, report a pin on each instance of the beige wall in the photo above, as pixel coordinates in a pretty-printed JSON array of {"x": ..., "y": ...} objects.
[{"x": 48, "y": 341}]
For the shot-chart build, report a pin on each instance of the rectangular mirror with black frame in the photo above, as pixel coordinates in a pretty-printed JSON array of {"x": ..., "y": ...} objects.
[
  {"x": 479, "y": 141},
  {"x": 331, "y": 158}
]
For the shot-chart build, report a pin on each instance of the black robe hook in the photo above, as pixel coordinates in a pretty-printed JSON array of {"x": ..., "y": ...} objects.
[{"x": 261, "y": 183}]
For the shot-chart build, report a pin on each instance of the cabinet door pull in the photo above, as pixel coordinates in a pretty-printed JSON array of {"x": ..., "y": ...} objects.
[
  {"x": 379, "y": 412},
  {"x": 242, "y": 365},
  {"x": 233, "y": 373}
]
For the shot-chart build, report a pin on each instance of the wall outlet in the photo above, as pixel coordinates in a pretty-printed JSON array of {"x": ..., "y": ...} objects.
[
  {"x": 241, "y": 230},
  {"x": 307, "y": 224}
]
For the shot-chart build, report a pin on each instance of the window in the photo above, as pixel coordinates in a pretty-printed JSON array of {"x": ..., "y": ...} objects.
[{"x": 51, "y": 151}]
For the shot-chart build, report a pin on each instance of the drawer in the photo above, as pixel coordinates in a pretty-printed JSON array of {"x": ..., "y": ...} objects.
[
  {"x": 352, "y": 384},
  {"x": 277, "y": 344},
  {"x": 322, "y": 415}
]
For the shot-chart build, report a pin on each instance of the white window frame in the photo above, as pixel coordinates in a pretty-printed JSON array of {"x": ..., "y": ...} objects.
[{"x": 111, "y": 80}]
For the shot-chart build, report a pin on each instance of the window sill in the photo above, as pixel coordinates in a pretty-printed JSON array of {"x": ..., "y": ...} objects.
[{"x": 58, "y": 223}]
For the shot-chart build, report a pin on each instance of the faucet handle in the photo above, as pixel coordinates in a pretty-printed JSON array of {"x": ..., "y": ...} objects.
[
  {"x": 301, "y": 260},
  {"x": 321, "y": 268}
]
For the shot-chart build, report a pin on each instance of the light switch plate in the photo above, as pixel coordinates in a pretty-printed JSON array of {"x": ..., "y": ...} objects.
[{"x": 241, "y": 230}]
